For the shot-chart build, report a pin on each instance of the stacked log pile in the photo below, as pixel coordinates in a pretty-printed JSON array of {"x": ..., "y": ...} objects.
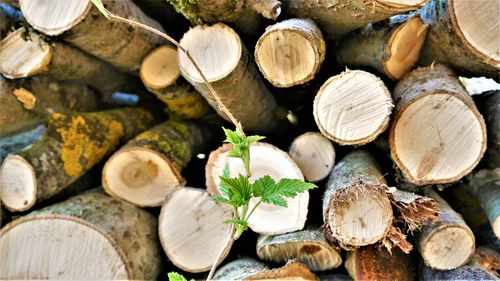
[{"x": 361, "y": 97}]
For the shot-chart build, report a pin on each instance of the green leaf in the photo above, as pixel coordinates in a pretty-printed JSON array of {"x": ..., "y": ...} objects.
[
  {"x": 273, "y": 193},
  {"x": 226, "y": 172},
  {"x": 263, "y": 186},
  {"x": 290, "y": 187},
  {"x": 98, "y": 4},
  {"x": 174, "y": 276},
  {"x": 233, "y": 136},
  {"x": 219, "y": 199},
  {"x": 237, "y": 191},
  {"x": 252, "y": 139}
]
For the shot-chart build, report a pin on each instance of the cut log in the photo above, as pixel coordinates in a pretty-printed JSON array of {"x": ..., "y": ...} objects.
[
  {"x": 466, "y": 272},
  {"x": 488, "y": 258},
  {"x": 89, "y": 236},
  {"x": 25, "y": 54},
  {"x": 307, "y": 246},
  {"x": 485, "y": 186},
  {"x": 161, "y": 75},
  {"x": 374, "y": 263},
  {"x": 290, "y": 52},
  {"x": 74, "y": 143},
  {"x": 464, "y": 35},
  {"x": 14, "y": 118},
  {"x": 336, "y": 18},
  {"x": 19, "y": 141},
  {"x": 392, "y": 47},
  {"x": 448, "y": 243},
  {"x": 489, "y": 105},
  {"x": 293, "y": 270},
  {"x": 227, "y": 65},
  {"x": 437, "y": 135},
  {"x": 265, "y": 159},
  {"x": 193, "y": 238},
  {"x": 148, "y": 168},
  {"x": 84, "y": 26},
  {"x": 239, "y": 269},
  {"x": 356, "y": 208},
  {"x": 314, "y": 154},
  {"x": 353, "y": 108}
]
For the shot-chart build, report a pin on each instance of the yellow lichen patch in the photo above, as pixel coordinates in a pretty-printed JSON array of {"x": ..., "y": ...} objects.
[
  {"x": 86, "y": 140},
  {"x": 148, "y": 136},
  {"x": 188, "y": 106}
]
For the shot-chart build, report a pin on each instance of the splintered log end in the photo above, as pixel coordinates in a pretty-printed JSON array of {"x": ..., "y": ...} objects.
[
  {"x": 18, "y": 182},
  {"x": 307, "y": 246},
  {"x": 314, "y": 154},
  {"x": 404, "y": 47},
  {"x": 353, "y": 108},
  {"x": 204, "y": 222},
  {"x": 141, "y": 176},
  {"x": 293, "y": 270},
  {"x": 396, "y": 238},
  {"x": 358, "y": 216},
  {"x": 428, "y": 146},
  {"x": 487, "y": 258},
  {"x": 293, "y": 42},
  {"x": 265, "y": 159},
  {"x": 54, "y": 17},
  {"x": 25, "y": 97},
  {"x": 159, "y": 69},
  {"x": 24, "y": 54},
  {"x": 414, "y": 210}
]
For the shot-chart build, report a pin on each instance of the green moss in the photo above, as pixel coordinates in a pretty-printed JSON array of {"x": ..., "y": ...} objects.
[{"x": 189, "y": 8}]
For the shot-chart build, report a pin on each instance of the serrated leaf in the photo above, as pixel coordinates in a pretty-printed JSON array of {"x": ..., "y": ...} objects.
[
  {"x": 219, "y": 199},
  {"x": 290, "y": 187},
  {"x": 226, "y": 172},
  {"x": 174, "y": 276},
  {"x": 237, "y": 190},
  {"x": 263, "y": 186},
  {"x": 275, "y": 199},
  {"x": 233, "y": 136},
  {"x": 252, "y": 139}
]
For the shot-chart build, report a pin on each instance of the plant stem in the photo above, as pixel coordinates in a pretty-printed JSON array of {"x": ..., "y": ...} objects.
[
  {"x": 219, "y": 256},
  {"x": 253, "y": 209}
]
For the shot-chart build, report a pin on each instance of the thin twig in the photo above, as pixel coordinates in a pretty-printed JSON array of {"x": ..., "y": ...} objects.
[
  {"x": 219, "y": 256},
  {"x": 221, "y": 105}
]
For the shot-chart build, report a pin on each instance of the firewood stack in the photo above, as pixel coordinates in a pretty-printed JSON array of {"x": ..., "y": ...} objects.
[{"x": 361, "y": 97}]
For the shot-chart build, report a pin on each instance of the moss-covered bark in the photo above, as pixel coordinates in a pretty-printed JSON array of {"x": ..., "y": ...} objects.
[
  {"x": 373, "y": 263},
  {"x": 75, "y": 142},
  {"x": 14, "y": 118},
  {"x": 336, "y": 18},
  {"x": 445, "y": 45},
  {"x": 372, "y": 46},
  {"x": 489, "y": 105},
  {"x": 133, "y": 230}
]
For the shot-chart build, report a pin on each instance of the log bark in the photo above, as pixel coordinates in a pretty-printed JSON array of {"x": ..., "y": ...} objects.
[
  {"x": 485, "y": 186},
  {"x": 356, "y": 209},
  {"x": 307, "y": 246},
  {"x": 239, "y": 269},
  {"x": 448, "y": 243},
  {"x": 337, "y": 18},
  {"x": 374, "y": 263},
  {"x": 148, "y": 168},
  {"x": 290, "y": 52},
  {"x": 488, "y": 258},
  {"x": 489, "y": 105},
  {"x": 466, "y": 272},
  {"x": 293, "y": 270},
  {"x": 265, "y": 159},
  {"x": 26, "y": 54},
  {"x": 250, "y": 269},
  {"x": 85, "y": 27},
  {"x": 352, "y": 108},
  {"x": 89, "y": 236},
  {"x": 392, "y": 46},
  {"x": 74, "y": 143},
  {"x": 462, "y": 34},
  {"x": 14, "y": 118},
  {"x": 204, "y": 234},
  {"x": 161, "y": 75},
  {"x": 437, "y": 135},
  {"x": 314, "y": 154},
  {"x": 228, "y": 67},
  {"x": 19, "y": 141}
]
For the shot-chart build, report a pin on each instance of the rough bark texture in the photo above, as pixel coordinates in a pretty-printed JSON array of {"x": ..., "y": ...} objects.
[
  {"x": 19, "y": 141},
  {"x": 336, "y": 18},
  {"x": 239, "y": 269},
  {"x": 374, "y": 263},
  {"x": 293, "y": 270},
  {"x": 372, "y": 45},
  {"x": 420, "y": 83},
  {"x": 356, "y": 174},
  {"x": 14, "y": 118},
  {"x": 133, "y": 230},
  {"x": 117, "y": 43},
  {"x": 448, "y": 219},
  {"x": 466, "y": 272},
  {"x": 485, "y": 186},
  {"x": 489, "y": 105},
  {"x": 295, "y": 54},
  {"x": 445, "y": 45},
  {"x": 488, "y": 258},
  {"x": 239, "y": 89},
  {"x": 74, "y": 143},
  {"x": 313, "y": 249}
]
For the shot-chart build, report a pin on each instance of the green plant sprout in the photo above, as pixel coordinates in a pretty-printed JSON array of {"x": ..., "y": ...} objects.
[{"x": 235, "y": 191}]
